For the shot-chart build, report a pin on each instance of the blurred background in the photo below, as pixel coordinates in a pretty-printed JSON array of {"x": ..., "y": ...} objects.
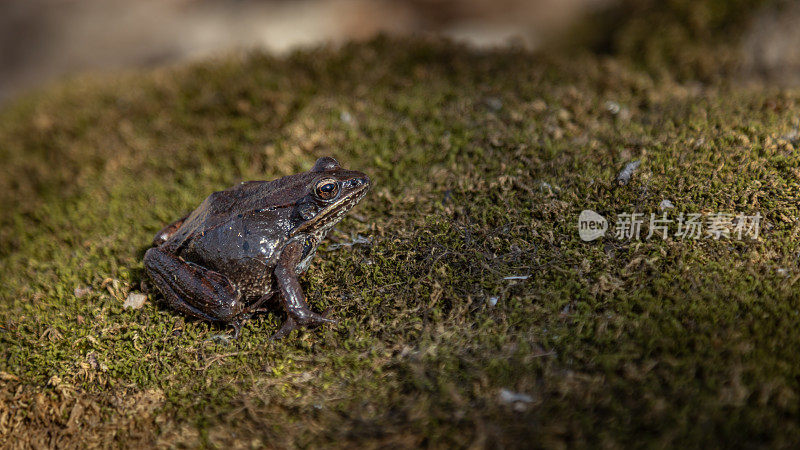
[{"x": 42, "y": 40}]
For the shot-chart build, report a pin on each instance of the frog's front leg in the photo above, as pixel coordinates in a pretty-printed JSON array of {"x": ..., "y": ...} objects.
[
  {"x": 293, "y": 299},
  {"x": 194, "y": 290}
]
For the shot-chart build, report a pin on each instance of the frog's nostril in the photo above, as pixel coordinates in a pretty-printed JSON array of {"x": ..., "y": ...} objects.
[{"x": 357, "y": 182}]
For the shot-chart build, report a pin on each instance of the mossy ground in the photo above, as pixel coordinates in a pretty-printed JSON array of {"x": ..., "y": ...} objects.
[{"x": 617, "y": 342}]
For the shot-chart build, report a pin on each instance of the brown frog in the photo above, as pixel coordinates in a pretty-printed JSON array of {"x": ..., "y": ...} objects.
[{"x": 243, "y": 245}]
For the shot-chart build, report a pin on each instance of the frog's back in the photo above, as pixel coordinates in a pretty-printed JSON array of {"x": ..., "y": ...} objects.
[
  {"x": 214, "y": 211},
  {"x": 250, "y": 196},
  {"x": 244, "y": 199},
  {"x": 239, "y": 232}
]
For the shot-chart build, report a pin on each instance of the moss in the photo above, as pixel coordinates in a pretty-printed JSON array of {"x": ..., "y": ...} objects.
[
  {"x": 616, "y": 342},
  {"x": 683, "y": 39}
]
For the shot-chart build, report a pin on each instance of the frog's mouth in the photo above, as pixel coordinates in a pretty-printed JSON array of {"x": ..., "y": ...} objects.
[{"x": 334, "y": 212}]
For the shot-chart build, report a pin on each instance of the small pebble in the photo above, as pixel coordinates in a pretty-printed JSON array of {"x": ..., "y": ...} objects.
[
  {"x": 508, "y": 396},
  {"x": 517, "y": 399},
  {"x": 624, "y": 176},
  {"x": 613, "y": 107},
  {"x": 134, "y": 301},
  {"x": 494, "y": 103},
  {"x": 82, "y": 291},
  {"x": 346, "y": 117},
  {"x": 492, "y": 301}
]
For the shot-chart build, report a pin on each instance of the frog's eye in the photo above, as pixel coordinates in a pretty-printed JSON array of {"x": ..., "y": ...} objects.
[{"x": 327, "y": 189}]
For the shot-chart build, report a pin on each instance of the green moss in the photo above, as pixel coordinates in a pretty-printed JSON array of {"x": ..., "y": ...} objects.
[
  {"x": 617, "y": 342},
  {"x": 683, "y": 39}
]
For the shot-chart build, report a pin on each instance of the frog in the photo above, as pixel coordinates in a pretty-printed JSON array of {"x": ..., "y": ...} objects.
[{"x": 248, "y": 244}]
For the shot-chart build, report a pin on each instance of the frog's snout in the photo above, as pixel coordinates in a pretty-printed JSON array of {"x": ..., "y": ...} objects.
[{"x": 355, "y": 183}]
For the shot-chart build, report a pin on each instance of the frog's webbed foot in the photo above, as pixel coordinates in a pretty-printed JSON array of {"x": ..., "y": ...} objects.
[
  {"x": 291, "y": 324},
  {"x": 237, "y": 327},
  {"x": 328, "y": 313},
  {"x": 194, "y": 290},
  {"x": 288, "y": 326},
  {"x": 294, "y": 301}
]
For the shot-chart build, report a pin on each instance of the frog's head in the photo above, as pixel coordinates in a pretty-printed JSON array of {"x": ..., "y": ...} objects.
[{"x": 330, "y": 193}]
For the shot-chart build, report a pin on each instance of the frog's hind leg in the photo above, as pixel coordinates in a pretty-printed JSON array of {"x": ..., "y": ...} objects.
[
  {"x": 194, "y": 290},
  {"x": 167, "y": 232}
]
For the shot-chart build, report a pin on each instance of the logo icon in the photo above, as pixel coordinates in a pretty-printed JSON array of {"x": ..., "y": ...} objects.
[{"x": 591, "y": 225}]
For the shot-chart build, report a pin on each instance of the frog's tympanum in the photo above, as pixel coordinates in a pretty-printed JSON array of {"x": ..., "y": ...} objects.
[{"x": 243, "y": 245}]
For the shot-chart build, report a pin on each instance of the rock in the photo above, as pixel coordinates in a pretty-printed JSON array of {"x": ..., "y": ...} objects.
[
  {"x": 81, "y": 292},
  {"x": 347, "y": 118},
  {"x": 518, "y": 400},
  {"x": 624, "y": 176},
  {"x": 613, "y": 107},
  {"x": 617, "y": 110},
  {"x": 134, "y": 301},
  {"x": 494, "y": 103},
  {"x": 665, "y": 204}
]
